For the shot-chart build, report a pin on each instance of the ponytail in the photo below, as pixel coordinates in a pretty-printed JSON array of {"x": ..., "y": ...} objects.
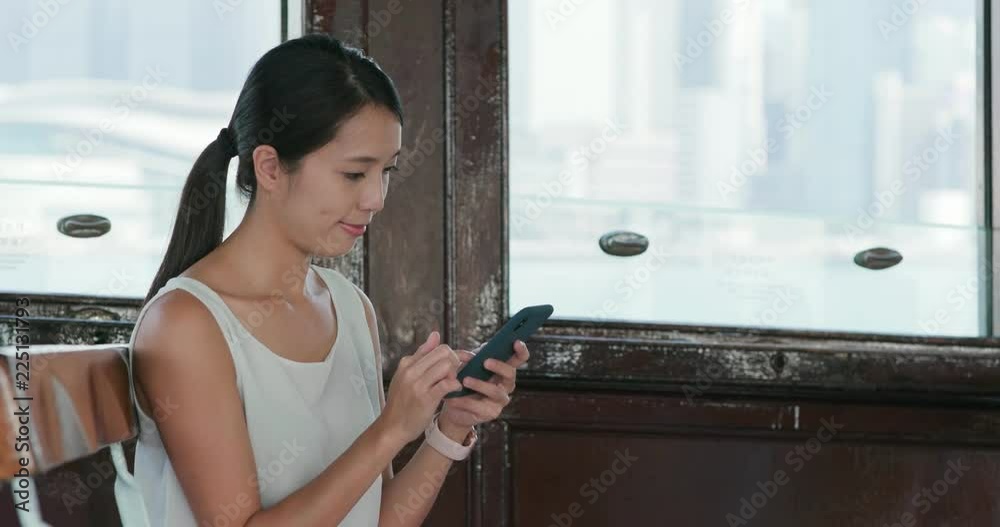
[{"x": 201, "y": 216}]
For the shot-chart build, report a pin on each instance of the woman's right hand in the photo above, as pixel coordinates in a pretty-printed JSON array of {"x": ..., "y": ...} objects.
[{"x": 420, "y": 383}]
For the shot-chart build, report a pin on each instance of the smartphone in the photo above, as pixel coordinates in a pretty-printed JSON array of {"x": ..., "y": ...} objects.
[{"x": 501, "y": 346}]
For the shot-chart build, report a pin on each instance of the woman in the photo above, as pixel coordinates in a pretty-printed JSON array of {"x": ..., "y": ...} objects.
[{"x": 249, "y": 364}]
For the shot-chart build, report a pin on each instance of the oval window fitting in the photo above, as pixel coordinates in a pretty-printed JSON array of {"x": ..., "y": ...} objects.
[
  {"x": 84, "y": 225},
  {"x": 878, "y": 258},
  {"x": 623, "y": 243}
]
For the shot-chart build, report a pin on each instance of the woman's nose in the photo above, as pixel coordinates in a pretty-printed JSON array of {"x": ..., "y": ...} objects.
[{"x": 373, "y": 195}]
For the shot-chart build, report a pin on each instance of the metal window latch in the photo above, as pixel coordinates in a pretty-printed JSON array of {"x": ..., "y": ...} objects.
[
  {"x": 623, "y": 243},
  {"x": 878, "y": 258},
  {"x": 84, "y": 225}
]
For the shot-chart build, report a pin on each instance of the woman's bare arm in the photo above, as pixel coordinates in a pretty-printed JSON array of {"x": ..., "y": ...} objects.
[{"x": 181, "y": 356}]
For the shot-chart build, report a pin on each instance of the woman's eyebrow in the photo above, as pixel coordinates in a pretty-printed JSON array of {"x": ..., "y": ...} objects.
[{"x": 369, "y": 159}]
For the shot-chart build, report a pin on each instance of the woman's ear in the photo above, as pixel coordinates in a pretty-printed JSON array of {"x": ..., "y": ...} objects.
[{"x": 267, "y": 168}]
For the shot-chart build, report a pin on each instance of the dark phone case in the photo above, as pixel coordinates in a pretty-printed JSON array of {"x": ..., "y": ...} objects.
[{"x": 501, "y": 346}]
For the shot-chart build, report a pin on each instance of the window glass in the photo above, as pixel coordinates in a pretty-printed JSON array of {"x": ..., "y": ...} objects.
[
  {"x": 760, "y": 147},
  {"x": 104, "y": 106}
]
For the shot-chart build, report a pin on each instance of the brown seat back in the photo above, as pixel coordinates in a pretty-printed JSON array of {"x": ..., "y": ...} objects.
[{"x": 76, "y": 402}]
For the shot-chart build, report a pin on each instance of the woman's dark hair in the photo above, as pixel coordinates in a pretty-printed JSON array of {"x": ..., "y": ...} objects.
[{"x": 295, "y": 99}]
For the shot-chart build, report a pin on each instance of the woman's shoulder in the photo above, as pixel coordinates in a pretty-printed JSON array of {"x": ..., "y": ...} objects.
[
  {"x": 177, "y": 341},
  {"x": 334, "y": 275},
  {"x": 173, "y": 321},
  {"x": 330, "y": 273}
]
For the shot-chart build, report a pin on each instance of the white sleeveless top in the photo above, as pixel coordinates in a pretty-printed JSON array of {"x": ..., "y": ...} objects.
[{"x": 301, "y": 416}]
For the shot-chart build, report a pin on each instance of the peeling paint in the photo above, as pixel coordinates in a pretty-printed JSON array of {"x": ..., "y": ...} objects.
[
  {"x": 565, "y": 360},
  {"x": 872, "y": 368},
  {"x": 487, "y": 304}
]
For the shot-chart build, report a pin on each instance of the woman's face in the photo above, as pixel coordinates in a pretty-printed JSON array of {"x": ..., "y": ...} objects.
[{"x": 341, "y": 184}]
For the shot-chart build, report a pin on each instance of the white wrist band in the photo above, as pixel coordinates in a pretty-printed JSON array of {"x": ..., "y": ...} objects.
[{"x": 444, "y": 444}]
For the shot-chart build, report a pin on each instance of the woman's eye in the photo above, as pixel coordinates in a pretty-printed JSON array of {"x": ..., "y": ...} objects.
[{"x": 354, "y": 176}]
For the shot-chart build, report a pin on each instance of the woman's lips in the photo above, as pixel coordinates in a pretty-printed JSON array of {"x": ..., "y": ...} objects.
[{"x": 354, "y": 230}]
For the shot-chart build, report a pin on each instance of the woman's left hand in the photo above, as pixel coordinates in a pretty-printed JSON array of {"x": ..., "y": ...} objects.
[{"x": 469, "y": 410}]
